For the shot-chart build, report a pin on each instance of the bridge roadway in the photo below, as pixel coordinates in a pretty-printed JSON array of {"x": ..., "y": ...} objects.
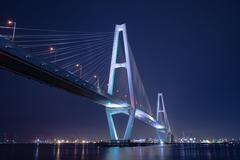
[{"x": 20, "y": 61}]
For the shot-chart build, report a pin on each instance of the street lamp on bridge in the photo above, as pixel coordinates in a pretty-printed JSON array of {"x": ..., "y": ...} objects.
[
  {"x": 79, "y": 68},
  {"x": 14, "y": 28},
  {"x": 52, "y": 50},
  {"x": 97, "y": 81}
]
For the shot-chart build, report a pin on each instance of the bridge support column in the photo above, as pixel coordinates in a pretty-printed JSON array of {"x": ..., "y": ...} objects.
[
  {"x": 164, "y": 135},
  {"x": 111, "y": 125},
  {"x": 129, "y": 128},
  {"x": 116, "y": 65},
  {"x": 128, "y": 132},
  {"x": 160, "y": 136}
]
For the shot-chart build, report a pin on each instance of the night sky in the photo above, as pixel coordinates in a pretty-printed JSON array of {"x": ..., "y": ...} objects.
[{"x": 188, "y": 50}]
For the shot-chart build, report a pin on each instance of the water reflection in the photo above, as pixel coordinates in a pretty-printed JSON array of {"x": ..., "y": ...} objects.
[
  {"x": 36, "y": 152},
  {"x": 82, "y": 152},
  {"x": 112, "y": 153},
  {"x": 140, "y": 153},
  {"x": 54, "y": 150},
  {"x": 58, "y": 152},
  {"x": 75, "y": 152},
  {"x": 161, "y": 151}
]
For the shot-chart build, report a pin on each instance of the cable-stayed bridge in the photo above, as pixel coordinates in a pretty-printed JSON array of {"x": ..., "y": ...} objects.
[{"x": 98, "y": 66}]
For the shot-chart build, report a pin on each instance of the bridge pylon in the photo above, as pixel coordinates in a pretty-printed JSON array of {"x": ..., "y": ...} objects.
[
  {"x": 165, "y": 134},
  {"x": 115, "y": 65}
]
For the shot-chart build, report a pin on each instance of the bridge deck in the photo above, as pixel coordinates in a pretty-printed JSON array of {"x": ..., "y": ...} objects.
[{"x": 20, "y": 61}]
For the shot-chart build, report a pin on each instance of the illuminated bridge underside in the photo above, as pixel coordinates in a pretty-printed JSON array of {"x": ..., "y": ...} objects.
[{"x": 20, "y": 61}]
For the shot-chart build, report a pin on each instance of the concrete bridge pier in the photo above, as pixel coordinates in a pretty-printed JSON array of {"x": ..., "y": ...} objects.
[
  {"x": 164, "y": 136},
  {"x": 110, "y": 112}
]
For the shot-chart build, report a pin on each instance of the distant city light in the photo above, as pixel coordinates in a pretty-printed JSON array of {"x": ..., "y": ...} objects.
[{"x": 205, "y": 141}]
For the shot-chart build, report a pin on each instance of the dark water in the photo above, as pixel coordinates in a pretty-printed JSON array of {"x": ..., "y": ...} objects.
[{"x": 92, "y": 152}]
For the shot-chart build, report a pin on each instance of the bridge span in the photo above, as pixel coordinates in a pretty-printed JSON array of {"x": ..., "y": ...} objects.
[{"x": 22, "y": 62}]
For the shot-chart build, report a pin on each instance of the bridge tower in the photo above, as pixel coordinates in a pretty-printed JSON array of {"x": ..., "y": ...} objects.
[
  {"x": 115, "y": 65},
  {"x": 164, "y": 135}
]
